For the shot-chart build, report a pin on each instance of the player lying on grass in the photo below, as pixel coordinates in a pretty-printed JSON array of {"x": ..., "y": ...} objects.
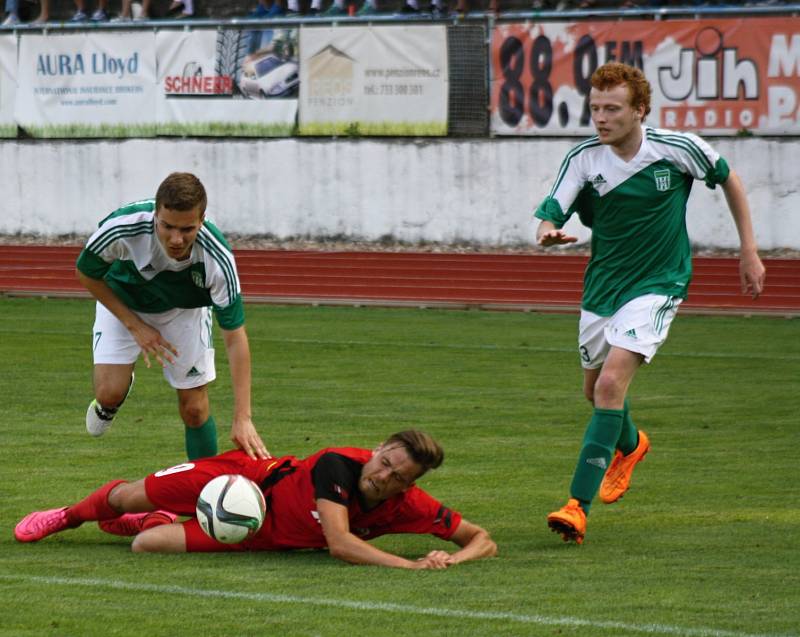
[{"x": 337, "y": 498}]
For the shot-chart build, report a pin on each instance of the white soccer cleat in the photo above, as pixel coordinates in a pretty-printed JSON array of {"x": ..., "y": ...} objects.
[{"x": 99, "y": 419}]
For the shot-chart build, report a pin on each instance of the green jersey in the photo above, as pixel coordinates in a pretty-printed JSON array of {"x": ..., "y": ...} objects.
[
  {"x": 125, "y": 252},
  {"x": 637, "y": 212}
]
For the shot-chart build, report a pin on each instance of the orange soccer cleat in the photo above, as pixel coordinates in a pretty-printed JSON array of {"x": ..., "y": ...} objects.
[
  {"x": 618, "y": 477},
  {"x": 569, "y": 522}
]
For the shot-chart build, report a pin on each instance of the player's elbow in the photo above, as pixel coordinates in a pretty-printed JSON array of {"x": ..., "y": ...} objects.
[
  {"x": 490, "y": 546},
  {"x": 482, "y": 544},
  {"x": 338, "y": 554},
  {"x": 340, "y": 548},
  {"x": 339, "y": 551},
  {"x": 85, "y": 280}
]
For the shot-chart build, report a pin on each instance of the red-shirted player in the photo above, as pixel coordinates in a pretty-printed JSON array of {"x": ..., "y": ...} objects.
[{"x": 338, "y": 497}]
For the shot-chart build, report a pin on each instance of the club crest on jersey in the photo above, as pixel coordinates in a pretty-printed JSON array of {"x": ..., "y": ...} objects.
[
  {"x": 197, "y": 278},
  {"x": 662, "y": 179}
]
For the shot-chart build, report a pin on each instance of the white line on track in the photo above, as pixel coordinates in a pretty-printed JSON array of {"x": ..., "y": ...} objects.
[{"x": 402, "y": 609}]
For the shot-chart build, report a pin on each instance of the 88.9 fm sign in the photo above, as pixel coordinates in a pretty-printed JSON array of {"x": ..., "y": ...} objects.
[{"x": 716, "y": 76}]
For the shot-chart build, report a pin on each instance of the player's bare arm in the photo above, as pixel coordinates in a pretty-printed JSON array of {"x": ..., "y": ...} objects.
[
  {"x": 752, "y": 273},
  {"x": 548, "y": 235},
  {"x": 345, "y": 546},
  {"x": 148, "y": 338},
  {"x": 475, "y": 543},
  {"x": 243, "y": 431}
]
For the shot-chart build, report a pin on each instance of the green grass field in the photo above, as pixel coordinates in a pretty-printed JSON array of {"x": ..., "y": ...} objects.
[{"x": 704, "y": 544}]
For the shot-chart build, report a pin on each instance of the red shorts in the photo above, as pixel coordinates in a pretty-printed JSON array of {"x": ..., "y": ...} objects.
[{"x": 177, "y": 488}]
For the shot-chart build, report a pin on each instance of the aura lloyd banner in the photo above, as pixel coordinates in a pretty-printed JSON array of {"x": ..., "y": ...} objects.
[
  {"x": 709, "y": 76},
  {"x": 87, "y": 85}
]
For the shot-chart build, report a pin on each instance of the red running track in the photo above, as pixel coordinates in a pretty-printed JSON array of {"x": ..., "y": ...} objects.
[{"x": 490, "y": 281}]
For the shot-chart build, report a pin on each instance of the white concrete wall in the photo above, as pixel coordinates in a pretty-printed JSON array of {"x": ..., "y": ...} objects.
[{"x": 441, "y": 190}]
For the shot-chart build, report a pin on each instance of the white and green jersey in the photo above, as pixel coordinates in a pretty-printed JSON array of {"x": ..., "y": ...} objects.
[
  {"x": 125, "y": 252},
  {"x": 637, "y": 212}
]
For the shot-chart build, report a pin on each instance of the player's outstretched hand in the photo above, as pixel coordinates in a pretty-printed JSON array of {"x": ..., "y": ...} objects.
[
  {"x": 752, "y": 274},
  {"x": 555, "y": 237},
  {"x": 245, "y": 436},
  {"x": 435, "y": 560},
  {"x": 150, "y": 341}
]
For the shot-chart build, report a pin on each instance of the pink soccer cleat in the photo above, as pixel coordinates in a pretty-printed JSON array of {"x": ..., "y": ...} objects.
[
  {"x": 130, "y": 524},
  {"x": 39, "y": 524}
]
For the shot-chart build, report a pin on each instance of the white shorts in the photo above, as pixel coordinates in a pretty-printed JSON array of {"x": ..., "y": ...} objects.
[
  {"x": 189, "y": 331},
  {"x": 640, "y": 326}
]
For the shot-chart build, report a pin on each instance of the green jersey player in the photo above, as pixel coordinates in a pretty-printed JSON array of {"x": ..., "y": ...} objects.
[
  {"x": 157, "y": 268},
  {"x": 630, "y": 184}
]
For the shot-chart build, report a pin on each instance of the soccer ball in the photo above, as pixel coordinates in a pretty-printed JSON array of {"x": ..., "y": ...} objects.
[{"x": 231, "y": 508}]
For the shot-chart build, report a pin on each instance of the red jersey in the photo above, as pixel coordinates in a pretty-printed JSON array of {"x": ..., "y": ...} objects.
[{"x": 292, "y": 487}]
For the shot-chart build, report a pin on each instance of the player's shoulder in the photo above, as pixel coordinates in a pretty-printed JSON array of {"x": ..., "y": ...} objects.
[
  {"x": 417, "y": 499},
  {"x": 132, "y": 213},
  {"x": 671, "y": 138},
  {"x": 211, "y": 237},
  {"x": 335, "y": 466},
  {"x": 348, "y": 453},
  {"x": 210, "y": 229},
  {"x": 583, "y": 155},
  {"x": 337, "y": 461},
  {"x": 585, "y": 147},
  {"x": 685, "y": 149}
]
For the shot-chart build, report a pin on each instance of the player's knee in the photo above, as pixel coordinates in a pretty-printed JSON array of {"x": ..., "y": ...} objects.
[
  {"x": 118, "y": 496},
  {"x": 193, "y": 406},
  {"x": 140, "y": 544},
  {"x": 194, "y": 415},
  {"x": 607, "y": 389},
  {"x": 147, "y": 542},
  {"x": 164, "y": 538},
  {"x": 109, "y": 395}
]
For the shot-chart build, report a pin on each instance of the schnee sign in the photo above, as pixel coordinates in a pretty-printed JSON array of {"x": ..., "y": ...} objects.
[{"x": 97, "y": 64}]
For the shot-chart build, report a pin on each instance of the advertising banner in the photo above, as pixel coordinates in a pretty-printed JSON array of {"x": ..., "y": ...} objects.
[
  {"x": 87, "y": 85},
  {"x": 227, "y": 82},
  {"x": 373, "y": 80},
  {"x": 8, "y": 85},
  {"x": 711, "y": 76}
]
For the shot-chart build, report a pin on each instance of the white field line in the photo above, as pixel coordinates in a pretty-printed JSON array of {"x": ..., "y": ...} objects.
[{"x": 401, "y": 609}]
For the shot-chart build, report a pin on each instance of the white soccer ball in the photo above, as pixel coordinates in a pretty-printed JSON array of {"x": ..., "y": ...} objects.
[{"x": 231, "y": 508}]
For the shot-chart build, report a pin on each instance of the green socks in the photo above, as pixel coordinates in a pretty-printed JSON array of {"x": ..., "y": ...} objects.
[
  {"x": 201, "y": 441},
  {"x": 599, "y": 443},
  {"x": 629, "y": 438}
]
